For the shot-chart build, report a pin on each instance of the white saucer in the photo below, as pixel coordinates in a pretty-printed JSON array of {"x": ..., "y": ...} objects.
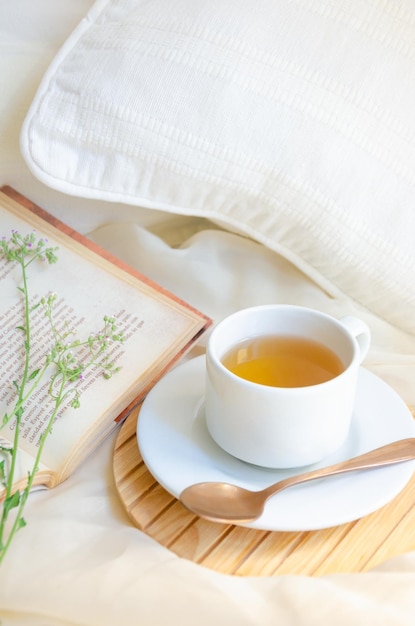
[{"x": 178, "y": 451}]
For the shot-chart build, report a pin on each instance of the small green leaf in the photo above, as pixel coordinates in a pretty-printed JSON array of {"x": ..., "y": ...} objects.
[
  {"x": 11, "y": 502},
  {"x": 21, "y": 328},
  {"x": 19, "y": 412},
  {"x": 34, "y": 374}
]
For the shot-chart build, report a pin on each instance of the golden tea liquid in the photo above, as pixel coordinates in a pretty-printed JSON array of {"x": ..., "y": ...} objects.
[{"x": 283, "y": 361}]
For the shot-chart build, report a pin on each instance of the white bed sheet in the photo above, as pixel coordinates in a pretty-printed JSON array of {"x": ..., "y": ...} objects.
[{"x": 80, "y": 560}]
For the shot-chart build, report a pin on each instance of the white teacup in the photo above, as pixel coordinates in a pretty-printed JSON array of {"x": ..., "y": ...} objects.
[{"x": 281, "y": 426}]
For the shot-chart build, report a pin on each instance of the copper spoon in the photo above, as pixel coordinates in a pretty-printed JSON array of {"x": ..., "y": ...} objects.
[{"x": 223, "y": 502}]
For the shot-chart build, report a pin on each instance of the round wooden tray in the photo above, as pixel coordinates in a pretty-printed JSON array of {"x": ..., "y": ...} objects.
[{"x": 353, "y": 547}]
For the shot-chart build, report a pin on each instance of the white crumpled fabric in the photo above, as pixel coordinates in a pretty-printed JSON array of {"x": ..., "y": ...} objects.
[{"x": 80, "y": 561}]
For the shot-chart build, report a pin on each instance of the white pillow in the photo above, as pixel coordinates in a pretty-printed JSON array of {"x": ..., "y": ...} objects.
[{"x": 291, "y": 122}]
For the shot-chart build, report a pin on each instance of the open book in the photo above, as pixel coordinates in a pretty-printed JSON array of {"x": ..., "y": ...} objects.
[{"x": 89, "y": 284}]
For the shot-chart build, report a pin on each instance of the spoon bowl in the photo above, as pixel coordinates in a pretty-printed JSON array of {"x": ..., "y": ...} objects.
[{"x": 231, "y": 504}]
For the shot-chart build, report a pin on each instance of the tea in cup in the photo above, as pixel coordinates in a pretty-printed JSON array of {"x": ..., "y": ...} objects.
[{"x": 281, "y": 383}]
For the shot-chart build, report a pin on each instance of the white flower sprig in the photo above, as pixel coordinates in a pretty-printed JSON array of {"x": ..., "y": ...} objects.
[{"x": 67, "y": 361}]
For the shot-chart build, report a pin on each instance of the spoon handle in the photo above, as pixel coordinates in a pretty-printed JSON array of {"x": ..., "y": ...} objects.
[{"x": 395, "y": 452}]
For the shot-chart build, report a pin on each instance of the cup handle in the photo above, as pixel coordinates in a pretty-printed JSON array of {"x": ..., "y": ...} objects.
[{"x": 360, "y": 331}]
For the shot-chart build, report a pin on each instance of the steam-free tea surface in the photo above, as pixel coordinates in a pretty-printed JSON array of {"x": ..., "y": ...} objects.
[{"x": 283, "y": 361}]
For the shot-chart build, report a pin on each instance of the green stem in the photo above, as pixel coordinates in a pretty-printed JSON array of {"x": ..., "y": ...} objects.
[
  {"x": 20, "y": 400},
  {"x": 23, "y": 398},
  {"x": 27, "y": 330},
  {"x": 9, "y": 485},
  {"x": 19, "y": 514}
]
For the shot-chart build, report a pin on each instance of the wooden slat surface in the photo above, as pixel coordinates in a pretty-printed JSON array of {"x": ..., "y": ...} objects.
[{"x": 353, "y": 547}]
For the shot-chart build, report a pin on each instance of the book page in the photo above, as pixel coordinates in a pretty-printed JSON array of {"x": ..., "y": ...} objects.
[
  {"x": 156, "y": 326},
  {"x": 39, "y": 406}
]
